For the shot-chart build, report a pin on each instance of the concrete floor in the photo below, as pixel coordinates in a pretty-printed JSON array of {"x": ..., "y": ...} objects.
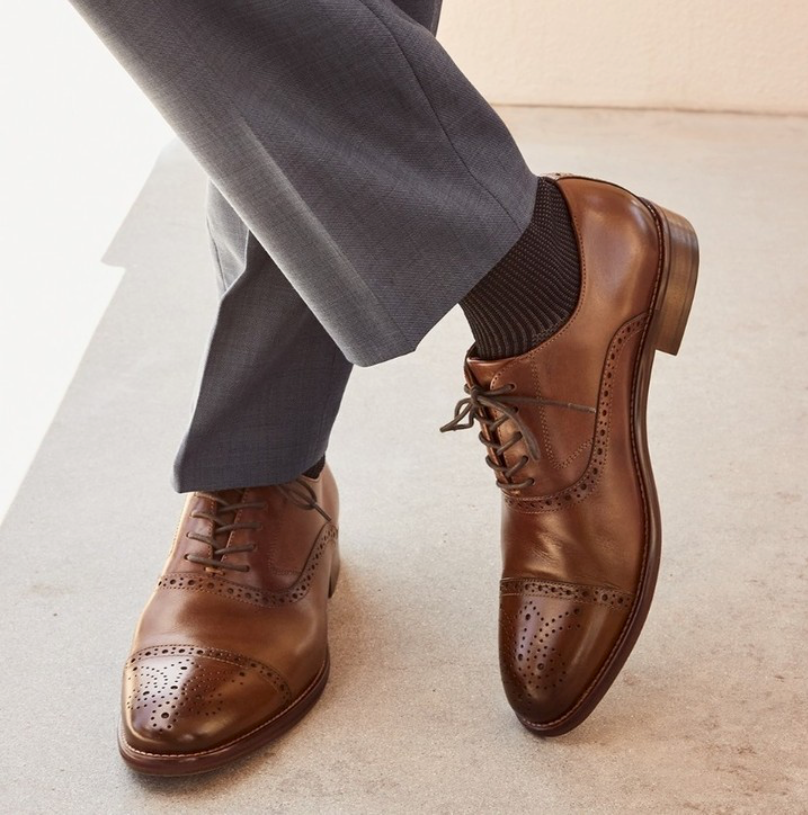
[{"x": 709, "y": 714}]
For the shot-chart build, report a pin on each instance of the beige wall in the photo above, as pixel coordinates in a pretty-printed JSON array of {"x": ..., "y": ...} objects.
[{"x": 737, "y": 55}]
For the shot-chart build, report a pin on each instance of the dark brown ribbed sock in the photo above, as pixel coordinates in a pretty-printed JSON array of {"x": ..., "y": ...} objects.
[
  {"x": 315, "y": 469},
  {"x": 534, "y": 289}
]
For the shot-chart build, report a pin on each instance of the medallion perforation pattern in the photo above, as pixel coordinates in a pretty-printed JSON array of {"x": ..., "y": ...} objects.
[
  {"x": 173, "y": 682},
  {"x": 529, "y": 651}
]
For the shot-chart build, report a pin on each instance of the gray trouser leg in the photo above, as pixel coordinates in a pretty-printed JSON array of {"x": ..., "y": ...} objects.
[
  {"x": 272, "y": 380},
  {"x": 380, "y": 183}
]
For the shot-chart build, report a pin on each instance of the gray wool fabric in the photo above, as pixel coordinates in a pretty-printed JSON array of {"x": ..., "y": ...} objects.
[{"x": 360, "y": 186}]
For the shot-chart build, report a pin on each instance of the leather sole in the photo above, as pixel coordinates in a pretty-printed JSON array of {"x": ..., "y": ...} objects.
[{"x": 669, "y": 312}]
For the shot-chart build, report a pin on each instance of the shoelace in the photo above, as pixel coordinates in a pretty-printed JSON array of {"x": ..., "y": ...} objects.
[
  {"x": 474, "y": 407},
  {"x": 297, "y": 492},
  {"x": 304, "y": 496}
]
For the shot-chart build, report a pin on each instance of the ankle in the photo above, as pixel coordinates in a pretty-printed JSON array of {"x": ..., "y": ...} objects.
[{"x": 534, "y": 289}]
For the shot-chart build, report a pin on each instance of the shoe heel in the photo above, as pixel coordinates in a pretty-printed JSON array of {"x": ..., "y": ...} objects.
[
  {"x": 680, "y": 272},
  {"x": 335, "y": 564}
]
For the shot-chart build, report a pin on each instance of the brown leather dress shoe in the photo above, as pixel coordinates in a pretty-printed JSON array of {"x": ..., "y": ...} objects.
[
  {"x": 565, "y": 429},
  {"x": 231, "y": 650}
]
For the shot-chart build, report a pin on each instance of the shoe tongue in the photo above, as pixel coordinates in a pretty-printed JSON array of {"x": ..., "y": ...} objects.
[
  {"x": 482, "y": 371},
  {"x": 230, "y": 496}
]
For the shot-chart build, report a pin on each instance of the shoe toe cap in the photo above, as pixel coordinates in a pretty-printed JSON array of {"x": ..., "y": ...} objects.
[
  {"x": 189, "y": 699},
  {"x": 553, "y": 648}
]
